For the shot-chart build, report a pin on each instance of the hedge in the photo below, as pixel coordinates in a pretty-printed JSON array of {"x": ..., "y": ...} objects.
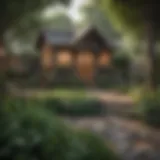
[{"x": 73, "y": 107}]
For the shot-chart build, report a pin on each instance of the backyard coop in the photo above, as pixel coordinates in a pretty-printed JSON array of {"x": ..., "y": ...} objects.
[{"x": 64, "y": 54}]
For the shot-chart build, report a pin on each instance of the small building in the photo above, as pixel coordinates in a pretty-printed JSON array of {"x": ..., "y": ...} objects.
[{"x": 86, "y": 53}]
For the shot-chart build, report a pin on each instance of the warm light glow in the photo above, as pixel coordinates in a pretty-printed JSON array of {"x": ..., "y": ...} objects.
[
  {"x": 47, "y": 56},
  {"x": 85, "y": 58},
  {"x": 104, "y": 59},
  {"x": 64, "y": 58}
]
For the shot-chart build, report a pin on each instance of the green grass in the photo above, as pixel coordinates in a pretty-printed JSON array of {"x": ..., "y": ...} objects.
[
  {"x": 136, "y": 92},
  {"x": 61, "y": 93},
  {"x": 69, "y": 94}
]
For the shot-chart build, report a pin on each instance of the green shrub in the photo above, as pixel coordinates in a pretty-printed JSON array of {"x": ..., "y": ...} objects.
[
  {"x": 56, "y": 105},
  {"x": 86, "y": 107},
  {"x": 19, "y": 103},
  {"x": 72, "y": 107},
  {"x": 25, "y": 134},
  {"x": 35, "y": 133},
  {"x": 150, "y": 108},
  {"x": 121, "y": 60},
  {"x": 75, "y": 107},
  {"x": 95, "y": 147}
]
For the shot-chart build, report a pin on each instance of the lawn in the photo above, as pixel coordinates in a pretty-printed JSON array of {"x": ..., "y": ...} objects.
[
  {"x": 59, "y": 93},
  {"x": 136, "y": 92}
]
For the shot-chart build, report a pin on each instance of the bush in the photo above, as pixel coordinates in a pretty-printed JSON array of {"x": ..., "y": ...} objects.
[
  {"x": 56, "y": 105},
  {"x": 86, "y": 107},
  {"x": 75, "y": 107},
  {"x": 15, "y": 104},
  {"x": 122, "y": 62},
  {"x": 35, "y": 133},
  {"x": 93, "y": 144},
  {"x": 26, "y": 134},
  {"x": 150, "y": 107}
]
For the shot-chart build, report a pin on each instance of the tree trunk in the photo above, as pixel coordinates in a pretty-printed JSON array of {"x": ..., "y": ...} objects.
[
  {"x": 151, "y": 41},
  {"x": 3, "y": 74}
]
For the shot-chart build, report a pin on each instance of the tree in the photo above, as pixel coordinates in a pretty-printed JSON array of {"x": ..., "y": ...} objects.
[
  {"x": 11, "y": 13},
  {"x": 23, "y": 36},
  {"x": 92, "y": 15},
  {"x": 138, "y": 18}
]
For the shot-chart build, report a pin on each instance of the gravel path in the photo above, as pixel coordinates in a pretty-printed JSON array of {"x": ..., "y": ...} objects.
[
  {"x": 115, "y": 102},
  {"x": 131, "y": 139}
]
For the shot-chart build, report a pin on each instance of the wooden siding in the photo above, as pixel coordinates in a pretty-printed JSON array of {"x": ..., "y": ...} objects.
[
  {"x": 47, "y": 57},
  {"x": 64, "y": 58},
  {"x": 104, "y": 59}
]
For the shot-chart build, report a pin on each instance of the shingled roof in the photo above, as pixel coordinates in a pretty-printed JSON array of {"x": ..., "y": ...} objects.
[
  {"x": 58, "y": 37},
  {"x": 84, "y": 31},
  {"x": 69, "y": 37}
]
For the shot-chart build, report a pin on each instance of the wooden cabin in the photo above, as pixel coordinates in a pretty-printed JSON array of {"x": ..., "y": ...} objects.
[{"x": 85, "y": 53}]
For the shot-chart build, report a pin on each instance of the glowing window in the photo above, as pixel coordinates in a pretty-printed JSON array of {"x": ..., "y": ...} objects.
[{"x": 64, "y": 58}]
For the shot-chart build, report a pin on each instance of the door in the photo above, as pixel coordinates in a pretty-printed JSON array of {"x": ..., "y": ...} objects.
[{"x": 85, "y": 66}]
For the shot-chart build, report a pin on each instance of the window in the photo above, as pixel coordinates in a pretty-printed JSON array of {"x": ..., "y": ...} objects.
[
  {"x": 104, "y": 59},
  {"x": 64, "y": 58}
]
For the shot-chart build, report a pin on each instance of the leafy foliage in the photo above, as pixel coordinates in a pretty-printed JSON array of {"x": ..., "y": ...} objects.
[
  {"x": 121, "y": 60},
  {"x": 150, "y": 107},
  {"x": 13, "y": 11},
  {"x": 74, "y": 107},
  {"x": 93, "y": 15},
  {"x": 30, "y": 26},
  {"x": 92, "y": 144},
  {"x": 131, "y": 15},
  {"x": 140, "y": 19},
  {"x": 35, "y": 133}
]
